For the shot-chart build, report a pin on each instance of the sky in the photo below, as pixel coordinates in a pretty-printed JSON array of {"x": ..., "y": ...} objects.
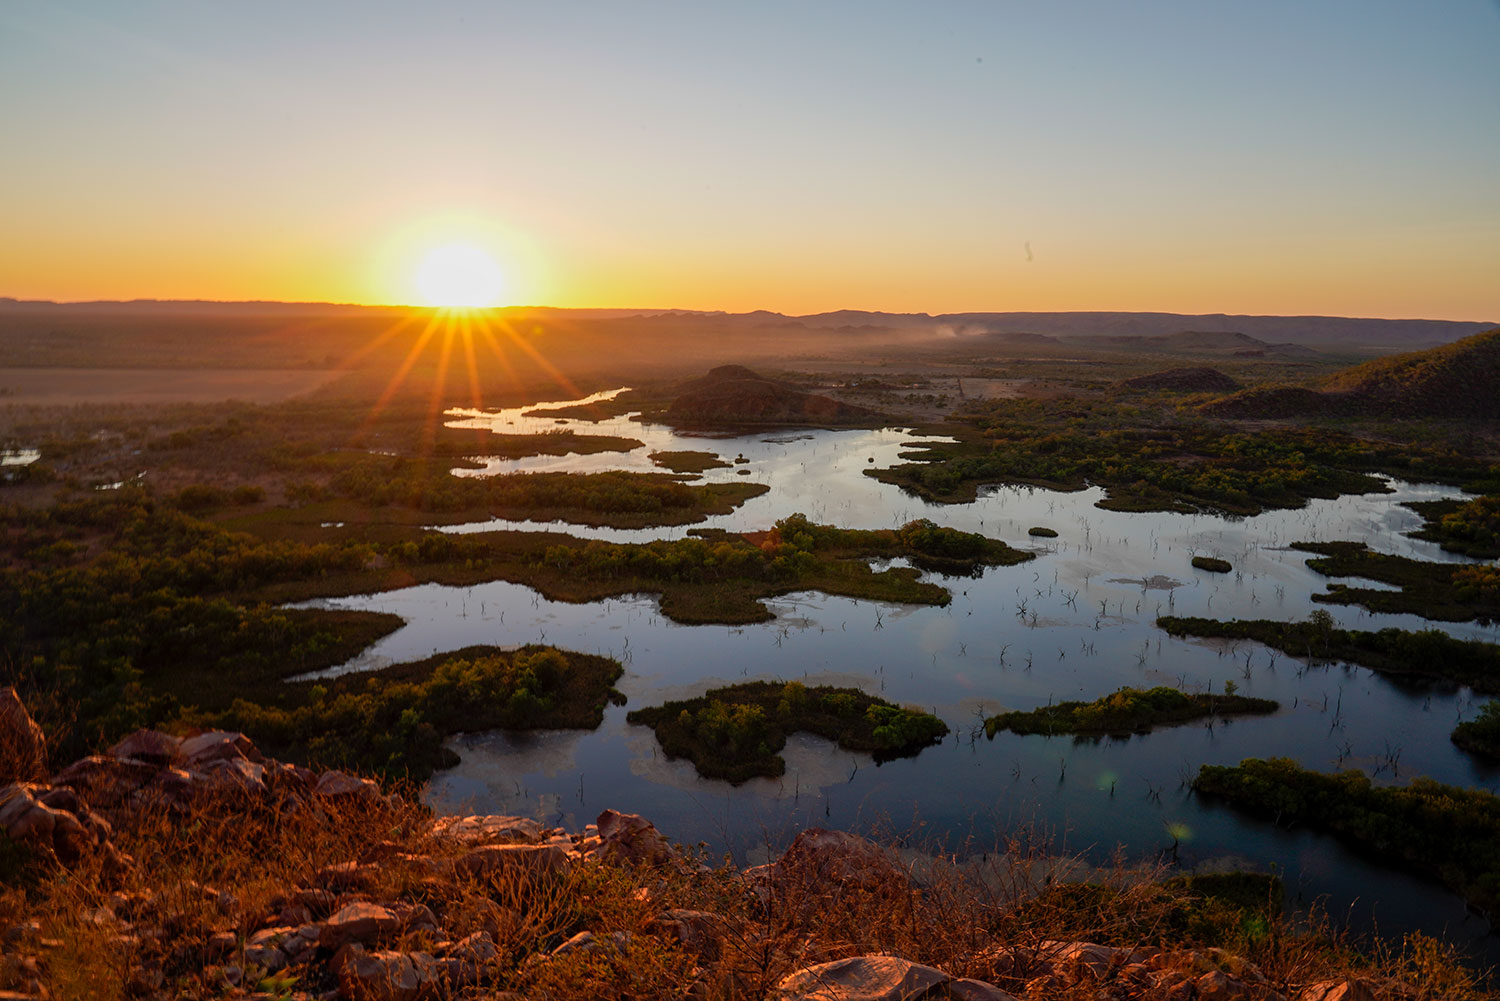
[{"x": 1340, "y": 157}]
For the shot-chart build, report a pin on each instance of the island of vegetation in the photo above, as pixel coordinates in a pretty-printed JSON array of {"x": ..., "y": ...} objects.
[
  {"x": 721, "y": 577},
  {"x": 1129, "y": 710},
  {"x": 736, "y": 733},
  {"x": 1481, "y": 735},
  {"x": 688, "y": 461},
  {"x": 1042, "y": 532},
  {"x": 562, "y": 441},
  {"x": 1442, "y": 591},
  {"x": 1468, "y": 527},
  {"x": 393, "y": 722},
  {"x": 1429, "y": 653},
  {"x": 1446, "y": 832},
  {"x": 1212, "y": 564},
  {"x": 410, "y": 491}
]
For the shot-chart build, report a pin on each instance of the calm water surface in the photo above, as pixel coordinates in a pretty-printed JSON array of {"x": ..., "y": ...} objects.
[{"x": 1075, "y": 623}]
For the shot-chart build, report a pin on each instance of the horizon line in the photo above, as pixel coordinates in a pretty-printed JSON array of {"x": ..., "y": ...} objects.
[{"x": 147, "y": 300}]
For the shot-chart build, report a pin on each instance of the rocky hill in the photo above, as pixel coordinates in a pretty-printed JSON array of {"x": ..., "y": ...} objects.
[
  {"x": 195, "y": 867},
  {"x": 1184, "y": 380},
  {"x": 1458, "y": 380},
  {"x": 733, "y": 395}
]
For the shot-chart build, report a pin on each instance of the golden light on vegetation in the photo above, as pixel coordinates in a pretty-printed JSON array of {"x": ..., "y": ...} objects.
[{"x": 460, "y": 275}]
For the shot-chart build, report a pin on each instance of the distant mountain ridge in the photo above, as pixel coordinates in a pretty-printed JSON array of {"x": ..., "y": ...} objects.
[{"x": 1277, "y": 331}]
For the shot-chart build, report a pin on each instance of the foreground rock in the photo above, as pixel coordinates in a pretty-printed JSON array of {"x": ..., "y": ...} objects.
[{"x": 410, "y": 908}]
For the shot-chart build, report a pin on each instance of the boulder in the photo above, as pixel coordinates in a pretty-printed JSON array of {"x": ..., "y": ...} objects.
[
  {"x": 862, "y": 978},
  {"x": 699, "y": 932},
  {"x": 150, "y": 746},
  {"x": 533, "y": 859},
  {"x": 837, "y": 857},
  {"x": 27, "y": 816},
  {"x": 478, "y": 948},
  {"x": 232, "y": 777},
  {"x": 629, "y": 837},
  {"x": 1098, "y": 960},
  {"x": 23, "y": 748},
  {"x": 1216, "y": 985},
  {"x": 378, "y": 976},
  {"x": 217, "y": 745},
  {"x": 105, "y": 782},
  {"x": 338, "y": 785},
  {"x": 1338, "y": 990},
  {"x": 976, "y": 990},
  {"x": 359, "y": 922},
  {"x": 489, "y": 830}
]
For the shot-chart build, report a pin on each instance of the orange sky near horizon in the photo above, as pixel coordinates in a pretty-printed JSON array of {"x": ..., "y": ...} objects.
[{"x": 1282, "y": 161}]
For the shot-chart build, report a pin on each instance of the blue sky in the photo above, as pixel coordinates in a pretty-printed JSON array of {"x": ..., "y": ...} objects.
[{"x": 1275, "y": 157}]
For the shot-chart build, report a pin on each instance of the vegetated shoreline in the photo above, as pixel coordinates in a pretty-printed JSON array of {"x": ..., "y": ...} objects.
[
  {"x": 1445, "y": 592},
  {"x": 1468, "y": 527},
  {"x": 393, "y": 721},
  {"x": 1429, "y": 654},
  {"x": 687, "y": 460},
  {"x": 736, "y": 732},
  {"x": 1480, "y": 735},
  {"x": 607, "y": 500},
  {"x": 1150, "y": 455},
  {"x": 1126, "y": 711},
  {"x": 1445, "y": 832}
]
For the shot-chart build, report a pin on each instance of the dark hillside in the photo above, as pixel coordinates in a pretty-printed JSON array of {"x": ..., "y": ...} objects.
[
  {"x": 1456, "y": 380},
  {"x": 733, "y": 394},
  {"x": 1184, "y": 380}
]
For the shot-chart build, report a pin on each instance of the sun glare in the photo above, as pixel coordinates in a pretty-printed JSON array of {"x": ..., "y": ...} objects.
[{"x": 460, "y": 274}]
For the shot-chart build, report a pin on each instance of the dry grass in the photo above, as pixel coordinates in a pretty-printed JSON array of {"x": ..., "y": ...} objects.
[{"x": 151, "y": 930}]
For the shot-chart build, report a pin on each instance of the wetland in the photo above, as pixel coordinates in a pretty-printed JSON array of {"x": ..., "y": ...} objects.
[{"x": 560, "y": 603}]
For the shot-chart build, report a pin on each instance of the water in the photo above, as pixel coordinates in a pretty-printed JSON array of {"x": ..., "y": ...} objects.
[
  {"x": 1075, "y": 623},
  {"x": 19, "y": 456}
]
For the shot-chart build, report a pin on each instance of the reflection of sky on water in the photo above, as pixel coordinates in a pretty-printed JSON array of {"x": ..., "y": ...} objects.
[{"x": 1075, "y": 623}]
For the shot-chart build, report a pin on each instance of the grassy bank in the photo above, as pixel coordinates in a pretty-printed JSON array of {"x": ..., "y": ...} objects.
[
  {"x": 1128, "y": 710},
  {"x": 392, "y": 722},
  {"x": 1481, "y": 735},
  {"x": 735, "y": 733},
  {"x": 1468, "y": 527},
  {"x": 1445, "y": 832},
  {"x": 1426, "y": 654},
  {"x": 1440, "y": 591}
]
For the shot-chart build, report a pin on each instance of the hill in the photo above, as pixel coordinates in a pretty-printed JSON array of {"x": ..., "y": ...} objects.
[
  {"x": 1184, "y": 380},
  {"x": 1456, "y": 380},
  {"x": 733, "y": 394}
]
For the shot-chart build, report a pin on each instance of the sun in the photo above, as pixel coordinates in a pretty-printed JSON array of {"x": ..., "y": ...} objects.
[{"x": 460, "y": 274}]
